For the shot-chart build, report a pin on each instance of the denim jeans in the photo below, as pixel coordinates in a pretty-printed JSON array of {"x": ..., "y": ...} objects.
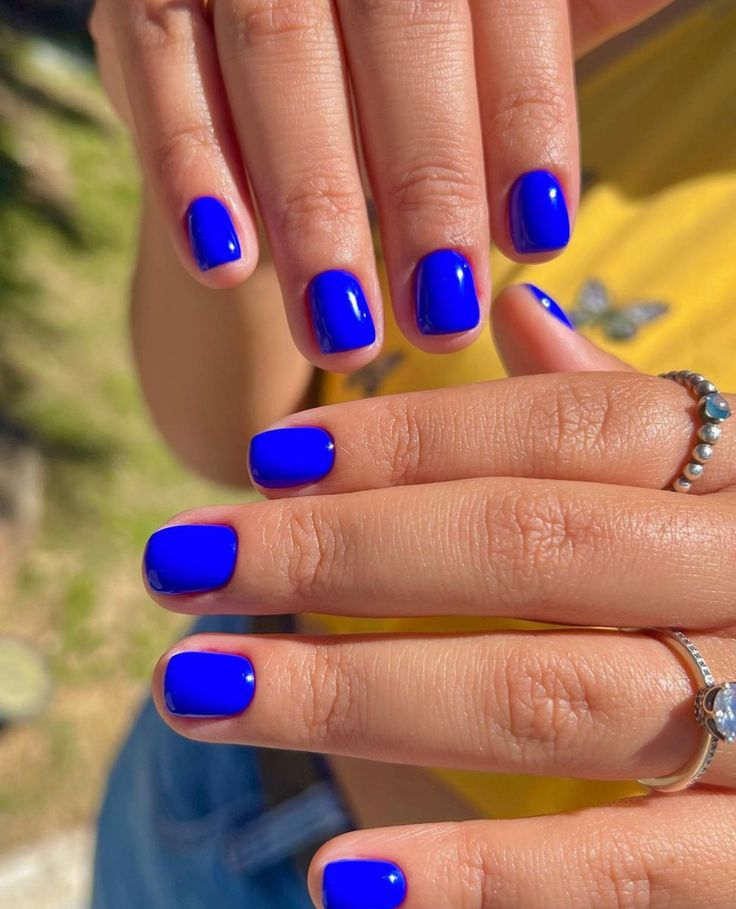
[{"x": 189, "y": 825}]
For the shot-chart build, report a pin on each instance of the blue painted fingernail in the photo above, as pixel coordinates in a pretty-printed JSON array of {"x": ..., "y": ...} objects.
[
  {"x": 190, "y": 558},
  {"x": 538, "y": 218},
  {"x": 552, "y": 307},
  {"x": 340, "y": 314},
  {"x": 363, "y": 884},
  {"x": 293, "y": 456},
  {"x": 199, "y": 683},
  {"x": 212, "y": 233},
  {"x": 446, "y": 299}
]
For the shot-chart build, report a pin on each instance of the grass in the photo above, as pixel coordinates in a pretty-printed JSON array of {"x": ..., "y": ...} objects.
[{"x": 68, "y": 202}]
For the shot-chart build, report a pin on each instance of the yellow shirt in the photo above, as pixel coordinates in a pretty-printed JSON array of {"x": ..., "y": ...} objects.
[{"x": 657, "y": 223}]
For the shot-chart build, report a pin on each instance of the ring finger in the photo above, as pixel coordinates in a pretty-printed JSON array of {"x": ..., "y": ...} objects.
[
  {"x": 589, "y": 704},
  {"x": 412, "y": 69}
]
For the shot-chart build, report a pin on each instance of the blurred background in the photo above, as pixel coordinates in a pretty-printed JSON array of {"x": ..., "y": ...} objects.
[{"x": 83, "y": 478}]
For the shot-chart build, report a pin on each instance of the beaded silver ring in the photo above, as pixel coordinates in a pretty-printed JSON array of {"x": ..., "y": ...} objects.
[
  {"x": 715, "y": 711},
  {"x": 713, "y": 409}
]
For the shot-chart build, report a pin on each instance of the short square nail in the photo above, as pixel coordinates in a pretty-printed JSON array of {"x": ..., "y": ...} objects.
[
  {"x": 293, "y": 456},
  {"x": 363, "y": 884},
  {"x": 446, "y": 298},
  {"x": 190, "y": 558},
  {"x": 212, "y": 233},
  {"x": 538, "y": 218},
  {"x": 203, "y": 684},
  {"x": 552, "y": 307},
  {"x": 340, "y": 314}
]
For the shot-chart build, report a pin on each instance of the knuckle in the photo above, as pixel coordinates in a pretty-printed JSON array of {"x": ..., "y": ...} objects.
[
  {"x": 330, "y": 707},
  {"x": 538, "y": 532},
  {"x": 314, "y": 546},
  {"x": 178, "y": 154},
  {"x": 403, "y": 441},
  {"x": 261, "y": 23},
  {"x": 325, "y": 201},
  {"x": 156, "y": 25},
  {"x": 411, "y": 12},
  {"x": 623, "y": 873},
  {"x": 450, "y": 185},
  {"x": 545, "y": 704},
  {"x": 540, "y": 106}
]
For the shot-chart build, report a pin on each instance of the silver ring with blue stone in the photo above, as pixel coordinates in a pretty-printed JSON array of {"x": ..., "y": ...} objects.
[
  {"x": 713, "y": 409},
  {"x": 715, "y": 711}
]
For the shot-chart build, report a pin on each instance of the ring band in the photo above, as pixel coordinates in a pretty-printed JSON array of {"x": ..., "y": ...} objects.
[
  {"x": 715, "y": 711},
  {"x": 713, "y": 409}
]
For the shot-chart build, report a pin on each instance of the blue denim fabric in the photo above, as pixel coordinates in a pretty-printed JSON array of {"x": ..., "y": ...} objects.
[{"x": 186, "y": 825}]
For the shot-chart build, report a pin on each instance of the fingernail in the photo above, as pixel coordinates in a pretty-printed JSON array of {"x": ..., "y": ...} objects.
[
  {"x": 190, "y": 558},
  {"x": 363, "y": 884},
  {"x": 446, "y": 299},
  {"x": 552, "y": 307},
  {"x": 538, "y": 218},
  {"x": 212, "y": 233},
  {"x": 293, "y": 456},
  {"x": 340, "y": 314},
  {"x": 199, "y": 683}
]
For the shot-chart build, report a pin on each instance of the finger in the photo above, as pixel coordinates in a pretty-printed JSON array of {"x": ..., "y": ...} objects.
[
  {"x": 412, "y": 70},
  {"x": 601, "y": 428},
  {"x": 663, "y": 853},
  {"x": 548, "y": 551},
  {"x": 595, "y": 21},
  {"x": 526, "y": 85},
  {"x": 589, "y": 705},
  {"x": 185, "y": 137},
  {"x": 285, "y": 79},
  {"x": 530, "y": 342}
]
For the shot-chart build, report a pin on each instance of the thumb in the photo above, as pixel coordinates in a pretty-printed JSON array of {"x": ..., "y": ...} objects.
[{"x": 533, "y": 335}]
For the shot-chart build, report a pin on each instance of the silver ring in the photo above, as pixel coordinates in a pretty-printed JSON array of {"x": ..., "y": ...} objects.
[
  {"x": 715, "y": 711},
  {"x": 713, "y": 409}
]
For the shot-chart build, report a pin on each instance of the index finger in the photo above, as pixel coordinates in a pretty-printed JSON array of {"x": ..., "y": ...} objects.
[{"x": 621, "y": 428}]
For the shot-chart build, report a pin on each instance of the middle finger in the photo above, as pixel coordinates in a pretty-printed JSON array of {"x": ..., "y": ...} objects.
[{"x": 550, "y": 551}]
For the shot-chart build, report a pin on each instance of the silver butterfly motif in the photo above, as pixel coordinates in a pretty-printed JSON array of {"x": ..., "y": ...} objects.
[{"x": 594, "y": 306}]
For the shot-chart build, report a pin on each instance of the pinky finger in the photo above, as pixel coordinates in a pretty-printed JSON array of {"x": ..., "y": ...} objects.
[
  {"x": 185, "y": 136},
  {"x": 668, "y": 852}
]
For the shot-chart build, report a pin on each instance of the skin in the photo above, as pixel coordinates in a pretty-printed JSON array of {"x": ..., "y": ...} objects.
[
  {"x": 252, "y": 93},
  {"x": 584, "y": 491},
  {"x": 205, "y": 342}
]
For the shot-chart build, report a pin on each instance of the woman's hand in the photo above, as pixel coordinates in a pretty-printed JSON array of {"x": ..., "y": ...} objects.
[
  {"x": 464, "y": 112},
  {"x": 535, "y": 498}
]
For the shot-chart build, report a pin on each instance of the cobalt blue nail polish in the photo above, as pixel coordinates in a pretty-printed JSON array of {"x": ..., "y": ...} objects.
[
  {"x": 190, "y": 558},
  {"x": 446, "y": 299},
  {"x": 340, "y": 314},
  {"x": 212, "y": 233},
  {"x": 538, "y": 218},
  {"x": 200, "y": 684},
  {"x": 363, "y": 884},
  {"x": 552, "y": 307},
  {"x": 292, "y": 456}
]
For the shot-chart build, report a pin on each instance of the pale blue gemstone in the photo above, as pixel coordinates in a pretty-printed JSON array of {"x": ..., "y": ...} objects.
[
  {"x": 724, "y": 712},
  {"x": 715, "y": 407}
]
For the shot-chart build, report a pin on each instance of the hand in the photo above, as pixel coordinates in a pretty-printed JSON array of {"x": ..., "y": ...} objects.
[
  {"x": 234, "y": 93},
  {"x": 537, "y": 498}
]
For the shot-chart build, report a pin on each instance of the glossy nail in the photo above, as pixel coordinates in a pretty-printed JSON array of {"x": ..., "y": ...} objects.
[
  {"x": 293, "y": 456},
  {"x": 340, "y": 314},
  {"x": 204, "y": 684},
  {"x": 190, "y": 558},
  {"x": 552, "y": 307},
  {"x": 446, "y": 298},
  {"x": 212, "y": 233},
  {"x": 363, "y": 884},
  {"x": 538, "y": 218}
]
